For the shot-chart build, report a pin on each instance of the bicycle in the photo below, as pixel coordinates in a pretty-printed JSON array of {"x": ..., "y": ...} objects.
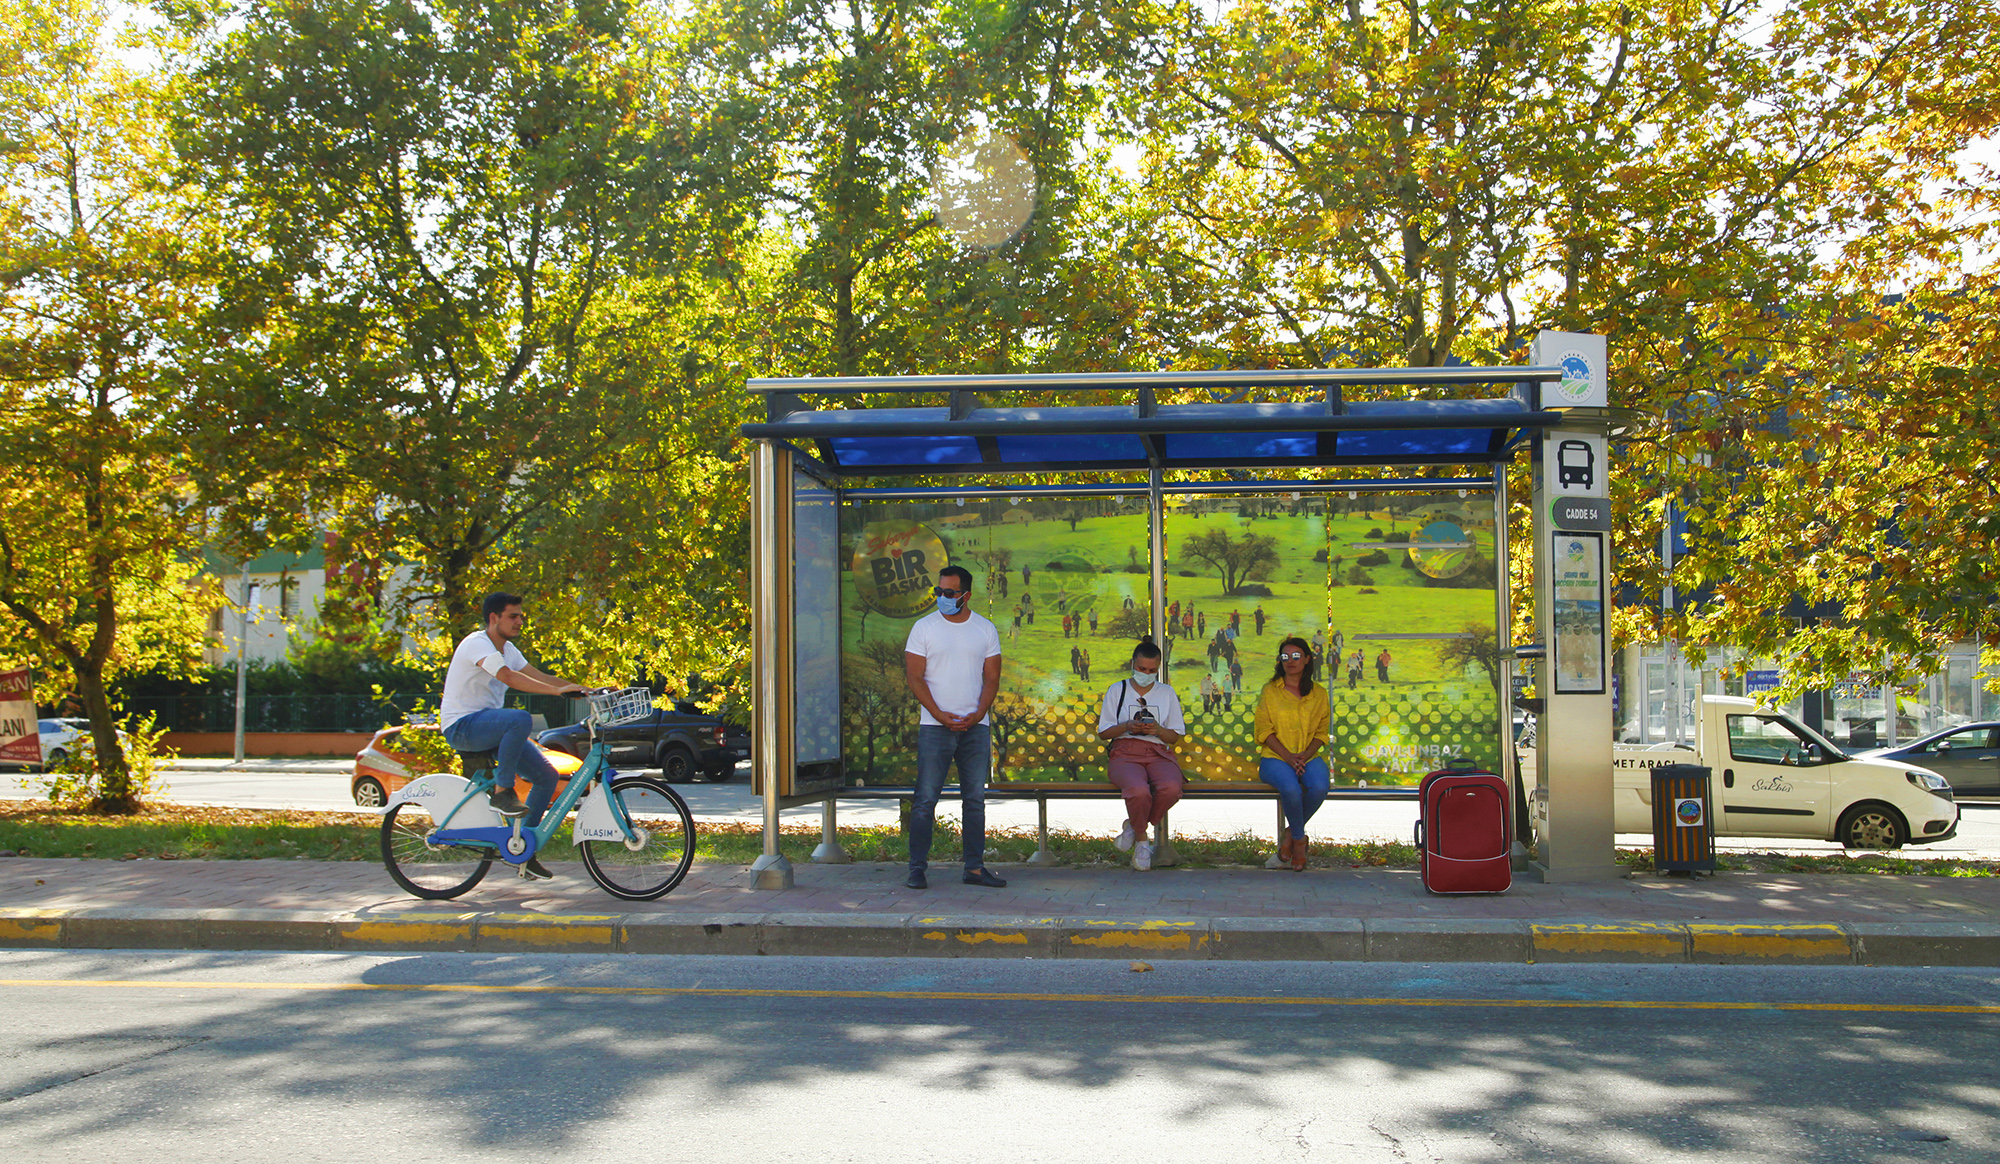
[{"x": 635, "y": 832}]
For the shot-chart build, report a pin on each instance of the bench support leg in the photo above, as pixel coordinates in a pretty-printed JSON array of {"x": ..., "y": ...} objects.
[
  {"x": 1275, "y": 862},
  {"x": 1164, "y": 856},
  {"x": 829, "y": 851},
  {"x": 1042, "y": 854}
]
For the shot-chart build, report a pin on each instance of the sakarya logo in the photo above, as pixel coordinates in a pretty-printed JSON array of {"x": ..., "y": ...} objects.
[{"x": 1575, "y": 383}]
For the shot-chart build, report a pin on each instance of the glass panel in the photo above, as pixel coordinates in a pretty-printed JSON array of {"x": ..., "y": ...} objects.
[
  {"x": 1651, "y": 728},
  {"x": 1064, "y": 581},
  {"x": 1854, "y": 716},
  {"x": 1958, "y": 704},
  {"x": 815, "y": 622},
  {"x": 1394, "y": 593}
]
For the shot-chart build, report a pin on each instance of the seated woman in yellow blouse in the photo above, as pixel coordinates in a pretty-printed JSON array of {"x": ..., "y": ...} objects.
[{"x": 1292, "y": 718}]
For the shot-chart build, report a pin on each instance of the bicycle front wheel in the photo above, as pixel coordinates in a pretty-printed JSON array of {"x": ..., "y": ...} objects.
[
  {"x": 653, "y": 862},
  {"x": 432, "y": 872}
]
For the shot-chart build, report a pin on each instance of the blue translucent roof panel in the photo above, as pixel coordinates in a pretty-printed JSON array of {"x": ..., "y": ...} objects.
[
  {"x": 1416, "y": 443},
  {"x": 1239, "y": 446},
  {"x": 877, "y": 452},
  {"x": 1069, "y": 450}
]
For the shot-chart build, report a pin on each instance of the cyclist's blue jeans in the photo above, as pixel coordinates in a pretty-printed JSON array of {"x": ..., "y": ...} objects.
[
  {"x": 1301, "y": 795},
  {"x": 937, "y": 748},
  {"x": 503, "y": 730}
]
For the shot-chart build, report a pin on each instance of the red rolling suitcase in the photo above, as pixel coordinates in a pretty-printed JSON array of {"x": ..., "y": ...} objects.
[{"x": 1465, "y": 833}]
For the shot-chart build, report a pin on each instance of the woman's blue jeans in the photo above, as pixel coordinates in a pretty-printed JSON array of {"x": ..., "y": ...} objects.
[
  {"x": 1301, "y": 795},
  {"x": 505, "y": 731}
]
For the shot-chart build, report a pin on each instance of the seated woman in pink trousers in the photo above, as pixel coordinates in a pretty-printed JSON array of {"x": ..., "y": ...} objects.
[{"x": 1142, "y": 722}]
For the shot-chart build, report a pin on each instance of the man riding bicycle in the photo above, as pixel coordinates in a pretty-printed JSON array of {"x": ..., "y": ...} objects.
[{"x": 474, "y": 719}]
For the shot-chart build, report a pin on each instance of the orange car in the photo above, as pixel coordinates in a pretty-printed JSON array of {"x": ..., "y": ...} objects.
[{"x": 380, "y": 768}]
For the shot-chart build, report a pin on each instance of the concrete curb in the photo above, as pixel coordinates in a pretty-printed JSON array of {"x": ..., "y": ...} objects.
[{"x": 974, "y": 936}]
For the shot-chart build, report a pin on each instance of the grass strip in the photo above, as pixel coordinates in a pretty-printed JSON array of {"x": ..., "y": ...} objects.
[{"x": 183, "y": 832}]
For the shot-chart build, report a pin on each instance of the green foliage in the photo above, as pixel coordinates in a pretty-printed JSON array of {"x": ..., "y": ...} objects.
[
  {"x": 102, "y": 260},
  {"x": 84, "y": 781},
  {"x": 1237, "y": 559}
]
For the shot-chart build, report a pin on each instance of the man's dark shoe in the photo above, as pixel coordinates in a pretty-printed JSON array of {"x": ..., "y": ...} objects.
[
  {"x": 916, "y": 880},
  {"x": 984, "y": 877},
  {"x": 537, "y": 871},
  {"x": 507, "y": 803}
]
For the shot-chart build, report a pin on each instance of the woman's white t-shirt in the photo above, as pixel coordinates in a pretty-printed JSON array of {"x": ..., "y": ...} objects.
[{"x": 1160, "y": 700}]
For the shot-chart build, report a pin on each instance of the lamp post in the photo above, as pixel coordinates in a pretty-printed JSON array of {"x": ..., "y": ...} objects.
[{"x": 244, "y": 590}]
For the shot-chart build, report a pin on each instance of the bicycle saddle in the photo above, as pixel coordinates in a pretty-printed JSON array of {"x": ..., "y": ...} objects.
[{"x": 470, "y": 763}]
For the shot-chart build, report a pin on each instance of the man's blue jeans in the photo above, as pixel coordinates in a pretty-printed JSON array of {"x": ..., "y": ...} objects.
[
  {"x": 1301, "y": 795},
  {"x": 938, "y": 748},
  {"x": 506, "y": 731}
]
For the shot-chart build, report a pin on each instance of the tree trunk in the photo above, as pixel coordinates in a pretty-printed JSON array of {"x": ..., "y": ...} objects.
[{"x": 115, "y": 796}]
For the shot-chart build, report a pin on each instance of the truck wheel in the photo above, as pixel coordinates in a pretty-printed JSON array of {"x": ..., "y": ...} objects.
[
  {"x": 718, "y": 775},
  {"x": 1872, "y": 825},
  {"x": 677, "y": 764}
]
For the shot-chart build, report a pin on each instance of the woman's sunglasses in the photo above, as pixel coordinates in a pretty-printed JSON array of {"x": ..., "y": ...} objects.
[{"x": 1288, "y": 656}]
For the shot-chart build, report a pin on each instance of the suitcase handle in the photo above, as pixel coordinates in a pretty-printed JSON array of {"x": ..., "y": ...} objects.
[{"x": 1420, "y": 834}]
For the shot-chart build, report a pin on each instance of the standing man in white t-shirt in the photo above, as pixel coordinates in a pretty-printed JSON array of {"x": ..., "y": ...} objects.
[
  {"x": 474, "y": 719},
  {"x": 952, "y": 665}
]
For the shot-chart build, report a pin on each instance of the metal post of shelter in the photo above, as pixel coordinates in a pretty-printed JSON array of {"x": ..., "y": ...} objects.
[
  {"x": 771, "y": 753},
  {"x": 829, "y": 851},
  {"x": 1043, "y": 855}
]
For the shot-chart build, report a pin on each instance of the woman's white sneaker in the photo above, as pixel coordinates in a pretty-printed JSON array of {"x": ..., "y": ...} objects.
[
  {"x": 1142, "y": 856},
  {"x": 1124, "y": 841}
]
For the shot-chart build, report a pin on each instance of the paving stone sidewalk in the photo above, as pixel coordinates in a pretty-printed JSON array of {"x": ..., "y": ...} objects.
[{"x": 1099, "y": 891}]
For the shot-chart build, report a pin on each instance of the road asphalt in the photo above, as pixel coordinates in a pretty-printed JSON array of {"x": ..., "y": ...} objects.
[{"x": 339, "y": 1057}]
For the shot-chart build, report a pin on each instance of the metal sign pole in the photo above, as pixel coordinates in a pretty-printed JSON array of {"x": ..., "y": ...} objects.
[{"x": 1572, "y": 799}]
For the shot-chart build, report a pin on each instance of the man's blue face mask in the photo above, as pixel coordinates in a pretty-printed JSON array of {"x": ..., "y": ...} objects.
[{"x": 950, "y": 602}]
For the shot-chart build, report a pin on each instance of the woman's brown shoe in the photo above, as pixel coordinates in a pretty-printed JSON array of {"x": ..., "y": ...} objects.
[
  {"x": 1300, "y": 850},
  {"x": 1284, "y": 846}
]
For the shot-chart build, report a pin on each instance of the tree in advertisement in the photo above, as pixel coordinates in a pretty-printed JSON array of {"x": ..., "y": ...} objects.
[
  {"x": 101, "y": 268},
  {"x": 485, "y": 248}
]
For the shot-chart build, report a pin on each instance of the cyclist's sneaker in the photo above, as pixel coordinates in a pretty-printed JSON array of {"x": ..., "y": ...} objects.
[
  {"x": 534, "y": 870},
  {"x": 507, "y": 803}
]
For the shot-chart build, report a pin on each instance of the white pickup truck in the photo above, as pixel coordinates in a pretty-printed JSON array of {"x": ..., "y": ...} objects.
[{"x": 1771, "y": 776}]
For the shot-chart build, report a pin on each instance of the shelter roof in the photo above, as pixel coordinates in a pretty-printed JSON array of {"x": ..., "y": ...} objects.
[{"x": 963, "y": 435}]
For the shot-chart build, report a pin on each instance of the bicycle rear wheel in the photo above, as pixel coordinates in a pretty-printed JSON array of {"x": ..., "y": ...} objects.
[
  {"x": 651, "y": 865},
  {"x": 432, "y": 872}
]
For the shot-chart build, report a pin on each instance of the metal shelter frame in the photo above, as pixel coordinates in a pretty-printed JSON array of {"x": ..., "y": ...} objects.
[{"x": 963, "y": 436}]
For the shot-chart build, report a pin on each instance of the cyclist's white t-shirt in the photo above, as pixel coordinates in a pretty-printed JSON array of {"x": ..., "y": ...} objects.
[
  {"x": 954, "y": 655},
  {"x": 470, "y": 683}
]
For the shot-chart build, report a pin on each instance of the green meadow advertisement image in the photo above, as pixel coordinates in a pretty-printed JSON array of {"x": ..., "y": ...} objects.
[{"x": 1395, "y": 593}]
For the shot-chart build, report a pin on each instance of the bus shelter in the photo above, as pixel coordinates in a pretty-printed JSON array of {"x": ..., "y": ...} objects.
[{"x": 1373, "y": 528}]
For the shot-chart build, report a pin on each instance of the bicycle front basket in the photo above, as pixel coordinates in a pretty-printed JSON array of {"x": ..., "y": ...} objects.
[{"x": 620, "y": 706}]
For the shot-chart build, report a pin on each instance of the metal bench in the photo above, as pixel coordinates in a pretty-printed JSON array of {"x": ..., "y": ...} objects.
[{"x": 829, "y": 851}]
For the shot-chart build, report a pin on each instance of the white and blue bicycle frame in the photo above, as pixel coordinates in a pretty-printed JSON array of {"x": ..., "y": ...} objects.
[{"x": 459, "y": 811}]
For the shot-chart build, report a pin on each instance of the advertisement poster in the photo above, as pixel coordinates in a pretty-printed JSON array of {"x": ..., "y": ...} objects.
[
  {"x": 1579, "y": 613},
  {"x": 20, "y": 735},
  {"x": 1394, "y": 592}
]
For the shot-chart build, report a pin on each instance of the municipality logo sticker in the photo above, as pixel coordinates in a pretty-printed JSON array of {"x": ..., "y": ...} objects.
[{"x": 1575, "y": 382}]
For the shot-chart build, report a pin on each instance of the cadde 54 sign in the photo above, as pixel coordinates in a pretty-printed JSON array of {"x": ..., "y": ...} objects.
[{"x": 20, "y": 735}]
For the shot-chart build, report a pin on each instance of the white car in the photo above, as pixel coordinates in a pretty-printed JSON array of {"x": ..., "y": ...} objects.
[{"x": 62, "y": 737}]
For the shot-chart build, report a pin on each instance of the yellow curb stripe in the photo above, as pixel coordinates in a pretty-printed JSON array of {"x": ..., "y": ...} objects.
[
  {"x": 1001, "y": 996},
  {"x": 1652, "y": 940},
  {"x": 1141, "y": 940},
  {"x": 1750, "y": 940}
]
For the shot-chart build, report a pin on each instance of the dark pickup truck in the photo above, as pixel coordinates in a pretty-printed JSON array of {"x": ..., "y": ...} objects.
[{"x": 683, "y": 742}]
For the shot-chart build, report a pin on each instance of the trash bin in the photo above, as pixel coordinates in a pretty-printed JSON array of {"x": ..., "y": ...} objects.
[{"x": 1683, "y": 819}]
